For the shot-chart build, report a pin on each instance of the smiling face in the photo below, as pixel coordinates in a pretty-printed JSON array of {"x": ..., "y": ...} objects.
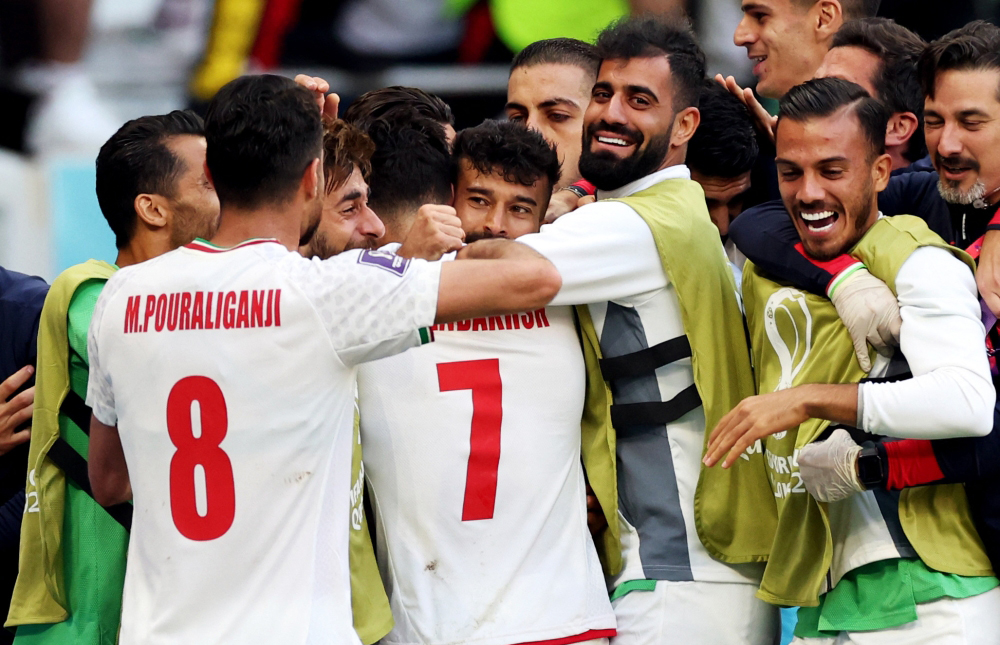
[
  {"x": 491, "y": 207},
  {"x": 829, "y": 180},
  {"x": 629, "y": 126},
  {"x": 347, "y": 222},
  {"x": 780, "y": 40},
  {"x": 962, "y": 127},
  {"x": 551, "y": 98}
]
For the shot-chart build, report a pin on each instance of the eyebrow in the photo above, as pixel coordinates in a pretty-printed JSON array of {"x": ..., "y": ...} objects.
[
  {"x": 514, "y": 106},
  {"x": 974, "y": 112},
  {"x": 787, "y": 162},
  {"x": 558, "y": 101},
  {"x": 750, "y": 6},
  {"x": 480, "y": 191},
  {"x": 526, "y": 200},
  {"x": 351, "y": 196},
  {"x": 642, "y": 89}
]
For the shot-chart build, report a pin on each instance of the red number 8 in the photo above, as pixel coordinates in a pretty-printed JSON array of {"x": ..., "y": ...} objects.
[{"x": 220, "y": 489}]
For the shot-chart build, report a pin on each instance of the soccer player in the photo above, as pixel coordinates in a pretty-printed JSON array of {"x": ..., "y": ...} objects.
[
  {"x": 721, "y": 155},
  {"x": 639, "y": 259},
  {"x": 347, "y": 222},
  {"x": 472, "y": 445},
  {"x": 154, "y": 193},
  {"x": 882, "y": 568},
  {"x": 787, "y": 39},
  {"x": 248, "y": 351},
  {"x": 548, "y": 89}
]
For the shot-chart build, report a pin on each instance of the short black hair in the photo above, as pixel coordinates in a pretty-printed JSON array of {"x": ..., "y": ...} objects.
[
  {"x": 389, "y": 102},
  {"x": 508, "y": 149},
  {"x": 853, "y": 9},
  {"x": 262, "y": 133},
  {"x": 411, "y": 165},
  {"x": 725, "y": 143},
  {"x": 821, "y": 97},
  {"x": 136, "y": 160},
  {"x": 976, "y": 46},
  {"x": 648, "y": 37},
  {"x": 896, "y": 83},
  {"x": 561, "y": 51}
]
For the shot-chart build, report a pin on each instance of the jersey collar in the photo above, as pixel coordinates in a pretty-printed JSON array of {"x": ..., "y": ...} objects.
[{"x": 200, "y": 244}]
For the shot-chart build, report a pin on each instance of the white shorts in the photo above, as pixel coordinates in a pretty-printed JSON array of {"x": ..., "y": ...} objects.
[
  {"x": 969, "y": 621},
  {"x": 715, "y": 613}
]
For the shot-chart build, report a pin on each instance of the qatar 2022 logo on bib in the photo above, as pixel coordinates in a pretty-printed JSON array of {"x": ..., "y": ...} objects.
[{"x": 789, "y": 326}]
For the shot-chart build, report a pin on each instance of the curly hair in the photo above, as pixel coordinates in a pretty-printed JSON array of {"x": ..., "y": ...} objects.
[
  {"x": 506, "y": 148},
  {"x": 344, "y": 147}
]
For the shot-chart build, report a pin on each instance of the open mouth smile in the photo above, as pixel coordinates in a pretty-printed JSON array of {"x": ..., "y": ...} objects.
[{"x": 819, "y": 222}]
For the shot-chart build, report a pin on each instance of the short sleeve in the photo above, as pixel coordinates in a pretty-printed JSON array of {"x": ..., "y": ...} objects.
[
  {"x": 100, "y": 394},
  {"x": 603, "y": 251},
  {"x": 372, "y": 304}
]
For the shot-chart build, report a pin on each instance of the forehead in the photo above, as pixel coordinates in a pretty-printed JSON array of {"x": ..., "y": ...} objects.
[
  {"x": 189, "y": 148},
  {"x": 853, "y": 64},
  {"x": 535, "y": 84},
  {"x": 470, "y": 177},
  {"x": 773, "y": 7},
  {"x": 355, "y": 182},
  {"x": 652, "y": 72},
  {"x": 815, "y": 139},
  {"x": 722, "y": 188},
  {"x": 960, "y": 90}
]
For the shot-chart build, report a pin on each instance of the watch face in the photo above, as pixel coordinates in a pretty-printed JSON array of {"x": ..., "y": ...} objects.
[{"x": 870, "y": 467}]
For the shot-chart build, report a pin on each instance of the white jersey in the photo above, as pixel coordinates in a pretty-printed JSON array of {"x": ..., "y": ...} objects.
[
  {"x": 472, "y": 450},
  {"x": 608, "y": 261},
  {"x": 230, "y": 375}
]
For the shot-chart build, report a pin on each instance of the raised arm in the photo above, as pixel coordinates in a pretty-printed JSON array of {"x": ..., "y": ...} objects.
[{"x": 501, "y": 277}]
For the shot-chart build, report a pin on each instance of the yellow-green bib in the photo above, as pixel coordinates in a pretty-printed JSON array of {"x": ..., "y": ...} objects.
[
  {"x": 734, "y": 510},
  {"x": 798, "y": 338}
]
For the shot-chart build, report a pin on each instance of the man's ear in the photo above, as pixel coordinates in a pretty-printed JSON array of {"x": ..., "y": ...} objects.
[
  {"x": 902, "y": 126},
  {"x": 312, "y": 180},
  {"x": 685, "y": 123},
  {"x": 829, "y": 18},
  {"x": 152, "y": 210},
  {"x": 881, "y": 171}
]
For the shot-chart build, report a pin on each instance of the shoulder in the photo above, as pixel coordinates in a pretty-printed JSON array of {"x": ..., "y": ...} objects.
[{"x": 21, "y": 291}]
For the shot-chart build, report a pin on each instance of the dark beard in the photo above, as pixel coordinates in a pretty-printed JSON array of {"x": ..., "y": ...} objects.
[
  {"x": 608, "y": 172},
  {"x": 482, "y": 235}
]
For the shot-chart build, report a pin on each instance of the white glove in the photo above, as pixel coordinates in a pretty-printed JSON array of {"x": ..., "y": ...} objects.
[
  {"x": 829, "y": 468},
  {"x": 870, "y": 311}
]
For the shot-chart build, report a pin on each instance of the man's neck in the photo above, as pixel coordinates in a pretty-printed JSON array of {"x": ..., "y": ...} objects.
[
  {"x": 239, "y": 224},
  {"x": 143, "y": 247}
]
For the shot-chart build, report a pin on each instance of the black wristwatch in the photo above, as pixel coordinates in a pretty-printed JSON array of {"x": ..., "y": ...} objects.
[{"x": 872, "y": 469}]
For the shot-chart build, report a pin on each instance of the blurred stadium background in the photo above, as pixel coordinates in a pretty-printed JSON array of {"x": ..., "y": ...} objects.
[{"x": 71, "y": 71}]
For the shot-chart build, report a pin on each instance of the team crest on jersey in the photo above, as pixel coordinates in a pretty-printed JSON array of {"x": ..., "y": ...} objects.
[{"x": 384, "y": 260}]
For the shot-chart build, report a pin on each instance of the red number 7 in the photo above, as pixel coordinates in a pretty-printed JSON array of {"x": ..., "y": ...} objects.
[{"x": 483, "y": 378}]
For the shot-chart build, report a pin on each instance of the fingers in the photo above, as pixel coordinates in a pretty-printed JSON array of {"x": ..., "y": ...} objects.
[
  {"x": 15, "y": 381},
  {"x": 861, "y": 351},
  {"x": 14, "y": 440},
  {"x": 586, "y": 199},
  {"x": 723, "y": 437},
  {"x": 331, "y": 106}
]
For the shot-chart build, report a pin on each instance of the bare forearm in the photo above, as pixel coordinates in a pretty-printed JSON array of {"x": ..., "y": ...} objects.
[
  {"x": 837, "y": 403},
  {"x": 108, "y": 472},
  {"x": 495, "y": 287},
  {"x": 497, "y": 250}
]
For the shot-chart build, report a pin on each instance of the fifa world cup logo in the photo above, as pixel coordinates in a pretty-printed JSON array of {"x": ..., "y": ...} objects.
[{"x": 788, "y": 323}]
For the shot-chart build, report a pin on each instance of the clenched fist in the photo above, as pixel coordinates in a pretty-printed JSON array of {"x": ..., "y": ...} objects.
[{"x": 436, "y": 230}]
